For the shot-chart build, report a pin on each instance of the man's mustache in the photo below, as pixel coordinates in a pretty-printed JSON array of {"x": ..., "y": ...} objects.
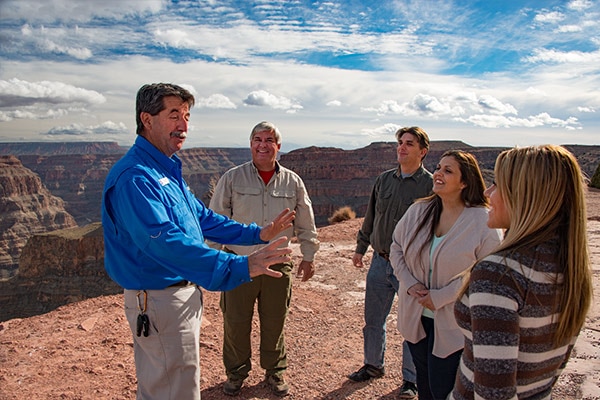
[{"x": 180, "y": 135}]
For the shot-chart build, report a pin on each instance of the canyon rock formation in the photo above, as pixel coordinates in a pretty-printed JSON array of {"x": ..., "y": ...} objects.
[
  {"x": 57, "y": 268},
  {"x": 334, "y": 177},
  {"x": 26, "y": 208}
]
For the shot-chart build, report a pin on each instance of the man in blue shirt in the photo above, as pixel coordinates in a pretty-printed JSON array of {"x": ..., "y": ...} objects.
[{"x": 154, "y": 233}]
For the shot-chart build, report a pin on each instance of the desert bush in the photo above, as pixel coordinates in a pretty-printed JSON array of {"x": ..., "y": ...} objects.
[{"x": 341, "y": 214}]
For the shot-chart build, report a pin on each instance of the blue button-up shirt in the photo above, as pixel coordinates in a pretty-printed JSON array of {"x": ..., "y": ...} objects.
[{"x": 154, "y": 227}]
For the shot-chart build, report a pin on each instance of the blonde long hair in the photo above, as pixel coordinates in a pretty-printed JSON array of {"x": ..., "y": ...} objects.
[{"x": 543, "y": 190}]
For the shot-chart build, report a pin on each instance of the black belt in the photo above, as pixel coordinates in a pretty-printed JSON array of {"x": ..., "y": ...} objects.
[
  {"x": 182, "y": 284},
  {"x": 385, "y": 256}
]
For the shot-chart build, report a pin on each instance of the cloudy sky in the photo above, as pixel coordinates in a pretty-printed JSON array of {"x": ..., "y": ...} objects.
[{"x": 341, "y": 73}]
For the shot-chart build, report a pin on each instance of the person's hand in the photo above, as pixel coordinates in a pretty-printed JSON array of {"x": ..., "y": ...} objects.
[
  {"x": 282, "y": 222},
  {"x": 416, "y": 290},
  {"x": 306, "y": 270},
  {"x": 260, "y": 260},
  {"x": 425, "y": 299},
  {"x": 357, "y": 260}
]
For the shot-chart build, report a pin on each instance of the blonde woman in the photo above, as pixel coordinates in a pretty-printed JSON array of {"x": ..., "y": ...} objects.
[
  {"x": 438, "y": 238},
  {"x": 524, "y": 305}
]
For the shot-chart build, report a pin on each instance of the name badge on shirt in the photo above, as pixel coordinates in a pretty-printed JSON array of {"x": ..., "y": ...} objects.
[{"x": 163, "y": 181}]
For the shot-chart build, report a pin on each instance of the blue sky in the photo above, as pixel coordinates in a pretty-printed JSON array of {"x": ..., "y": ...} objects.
[{"x": 328, "y": 73}]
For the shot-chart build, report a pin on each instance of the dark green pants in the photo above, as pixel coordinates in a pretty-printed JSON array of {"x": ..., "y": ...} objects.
[{"x": 273, "y": 297}]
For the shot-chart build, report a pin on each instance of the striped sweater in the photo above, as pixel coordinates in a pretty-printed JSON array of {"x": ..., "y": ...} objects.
[{"x": 507, "y": 319}]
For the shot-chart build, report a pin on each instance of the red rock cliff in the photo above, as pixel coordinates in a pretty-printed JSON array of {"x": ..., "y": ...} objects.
[
  {"x": 57, "y": 268},
  {"x": 27, "y": 208}
]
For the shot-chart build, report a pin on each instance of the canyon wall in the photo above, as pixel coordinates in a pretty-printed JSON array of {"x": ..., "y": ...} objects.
[
  {"x": 78, "y": 179},
  {"x": 57, "y": 268},
  {"x": 334, "y": 177},
  {"x": 26, "y": 208}
]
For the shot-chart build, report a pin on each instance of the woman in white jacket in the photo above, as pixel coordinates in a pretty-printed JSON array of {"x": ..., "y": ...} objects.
[{"x": 438, "y": 238}]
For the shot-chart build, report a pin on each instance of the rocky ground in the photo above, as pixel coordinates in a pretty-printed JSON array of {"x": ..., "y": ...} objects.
[{"x": 84, "y": 350}]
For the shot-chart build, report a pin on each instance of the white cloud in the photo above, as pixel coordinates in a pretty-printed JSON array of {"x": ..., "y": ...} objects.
[
  {"x": 495, "y": 106},
  {"x": 549, "y": 17},
  {"x": 500, "y": 121},
  {"x": 334, "y": 103},
  {"x": 175, "y": 38},
  {"x": 459, "y": 104},
  {"x": 26, "y": 30},
  {"x": 569, "y": 28},
  {"x": 80, "y": 53},
  {"x": 580, "y": 5},
  {"x": 216, "y": 100},
  {"x": 383, "y": 131},
  {"x": 53, "y": 41},
  {"x": 263, "y": 98},
  {"x": 23, "y": 100},
  {"x": 32, "y": 113},
  {"x": 545, "y": 56},
  {"x": 69, "y": 10},
  {"x": 248, "y": 39},
  {"x": 387, "y": 107},
  {"x": 427, "y": 104},
  {"x": 536, "y": 92},
  {"x": 469, "y": 97},
  {"x": 586, "y": 109},
  {"x": 107, "y": 127},
  {"x": 16, "y": 92}
]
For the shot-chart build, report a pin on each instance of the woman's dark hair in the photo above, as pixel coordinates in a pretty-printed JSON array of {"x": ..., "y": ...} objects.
[{"x": 472, "y": 194}]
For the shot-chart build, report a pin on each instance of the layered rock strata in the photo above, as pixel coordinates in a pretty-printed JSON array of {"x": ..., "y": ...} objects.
[
  {"x": 57, "y": 268},
  {"x": 26, "y": 208}
]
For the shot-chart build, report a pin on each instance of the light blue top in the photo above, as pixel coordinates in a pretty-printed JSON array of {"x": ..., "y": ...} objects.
[
  {"x": 154, "y": 227},
  {"x": 434, "y": 243}
]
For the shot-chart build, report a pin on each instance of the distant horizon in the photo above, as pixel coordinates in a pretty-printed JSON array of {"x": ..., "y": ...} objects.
[{"x": 283, "y": 149}]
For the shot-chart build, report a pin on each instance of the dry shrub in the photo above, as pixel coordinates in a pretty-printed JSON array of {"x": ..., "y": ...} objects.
[{"x": 341, "y": 214}]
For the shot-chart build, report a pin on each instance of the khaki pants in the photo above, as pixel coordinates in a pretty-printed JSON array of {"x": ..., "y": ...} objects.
[
  {"x": 167, "y": 362},
  {"x": 273, "y": 296}
]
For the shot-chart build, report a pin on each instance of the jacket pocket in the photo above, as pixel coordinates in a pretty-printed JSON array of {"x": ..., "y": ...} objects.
[
  {"x": 284, "y": 193},
  {"x": 383, "y": 201}
]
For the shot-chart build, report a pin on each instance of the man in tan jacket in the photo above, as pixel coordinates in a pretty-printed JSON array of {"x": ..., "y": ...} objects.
[{"x": 254, "y": 192}]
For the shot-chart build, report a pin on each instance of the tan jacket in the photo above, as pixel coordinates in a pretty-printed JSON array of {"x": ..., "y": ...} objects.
[
  {"x": 242, "y": 195},
  {"x": 469, "y": 239}
]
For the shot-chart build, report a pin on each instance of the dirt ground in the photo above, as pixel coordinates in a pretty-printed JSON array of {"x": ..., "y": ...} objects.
[{"x": 84, "y": 350}]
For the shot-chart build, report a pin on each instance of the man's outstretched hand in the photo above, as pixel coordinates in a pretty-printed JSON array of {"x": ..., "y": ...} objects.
[
  {"x": 282, "y": 222},
  {"x": 260, "y": 261}
]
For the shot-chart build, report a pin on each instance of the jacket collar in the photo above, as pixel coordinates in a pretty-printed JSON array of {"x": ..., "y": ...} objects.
[{"x": 157, "y": 155}]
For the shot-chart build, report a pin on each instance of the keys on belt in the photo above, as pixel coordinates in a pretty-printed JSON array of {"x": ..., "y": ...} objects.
[{"x": 143, "y": 322}]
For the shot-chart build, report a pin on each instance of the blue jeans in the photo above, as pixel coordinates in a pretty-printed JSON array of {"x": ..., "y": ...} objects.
[
  {"x": 380, "y": 292},
  {"x": 435, "y": 376}
]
